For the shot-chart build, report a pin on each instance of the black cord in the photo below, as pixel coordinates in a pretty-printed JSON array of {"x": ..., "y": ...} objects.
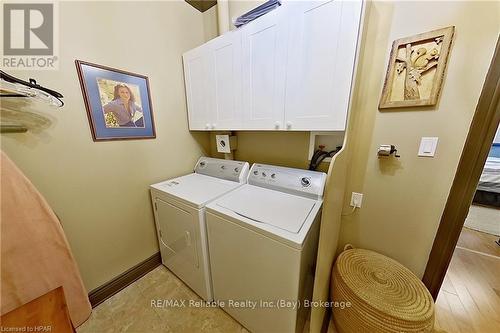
[
  {"x": 320, "y": 155},
  {"x": 314, "y": 158},
  {"x": 321, "y": 158},
  {"x": 316, "y": 155}
]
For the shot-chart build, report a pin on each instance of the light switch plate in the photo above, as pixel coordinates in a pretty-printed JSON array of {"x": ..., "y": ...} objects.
[{"x": 428, "y": 146}]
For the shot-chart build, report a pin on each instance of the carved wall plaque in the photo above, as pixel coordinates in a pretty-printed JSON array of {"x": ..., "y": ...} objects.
[{"x": 416, "y": 69}]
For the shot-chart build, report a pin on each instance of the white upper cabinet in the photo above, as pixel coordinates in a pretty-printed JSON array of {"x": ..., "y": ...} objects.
[
  {"x": 264, "y": 71},
  {"x": 198, "y": 88},
  {"x": 225, "y": 77},
  {"x": 290, "y": 69},
  {"x": 213, "y": 84},
  {"x": 321, "y": 54}
]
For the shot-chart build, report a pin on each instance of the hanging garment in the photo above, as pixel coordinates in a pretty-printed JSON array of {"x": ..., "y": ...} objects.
[
  {"x": 256, "y": 12},
  {"x": 35, "y": 255}
]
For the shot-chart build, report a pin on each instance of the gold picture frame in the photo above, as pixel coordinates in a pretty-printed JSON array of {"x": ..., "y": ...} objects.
[{"x": 416, "y": 69}]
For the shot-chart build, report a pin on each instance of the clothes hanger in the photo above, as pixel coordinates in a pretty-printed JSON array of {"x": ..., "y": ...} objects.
[
  {"x": 11, "y": 86},
  {"x": 14, "y": 87}
]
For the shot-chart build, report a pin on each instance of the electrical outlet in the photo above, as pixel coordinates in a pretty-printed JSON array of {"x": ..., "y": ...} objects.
[{"x": 356, "y": 199}]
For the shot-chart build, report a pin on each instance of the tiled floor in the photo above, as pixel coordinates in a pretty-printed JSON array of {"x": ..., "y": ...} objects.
[
  {"x": 131, "y": 310},
  {"x": 468, "y": 302}
]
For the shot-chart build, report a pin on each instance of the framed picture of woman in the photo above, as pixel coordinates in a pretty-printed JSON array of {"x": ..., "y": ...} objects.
[{"x": 118, "y": 103}]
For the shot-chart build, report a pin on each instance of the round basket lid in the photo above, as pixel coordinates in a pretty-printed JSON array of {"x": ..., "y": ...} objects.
[{"x": 385, "y": 285}]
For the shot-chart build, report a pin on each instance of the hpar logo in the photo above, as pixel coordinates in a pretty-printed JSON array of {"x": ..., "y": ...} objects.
[{"x": 29, "y": 36}]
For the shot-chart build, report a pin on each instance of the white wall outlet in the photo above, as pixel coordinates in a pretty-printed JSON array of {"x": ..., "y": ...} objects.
[
  {"x": 356, "y": 199},
  {"x": 223, "y": 143}
]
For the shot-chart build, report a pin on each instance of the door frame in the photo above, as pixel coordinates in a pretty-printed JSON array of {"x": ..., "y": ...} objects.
[{"x": 477, "y": 146}]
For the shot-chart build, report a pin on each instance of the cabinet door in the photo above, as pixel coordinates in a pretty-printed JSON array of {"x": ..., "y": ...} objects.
[
  {"x": 321, "y": 54},
  {"x": 225, "y": 76},
  {"x": 264, "y": 68},
  {"x": 199, "y": 91},
  {"x": 178, "y": 230}
]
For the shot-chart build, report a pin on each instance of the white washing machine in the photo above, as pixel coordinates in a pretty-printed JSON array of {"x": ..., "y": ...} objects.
[
  {"x": 263, "y": 240},
  {"x": 179, "y": 209}
]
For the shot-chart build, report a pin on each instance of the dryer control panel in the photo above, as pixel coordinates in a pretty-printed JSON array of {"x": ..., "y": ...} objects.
[
  {"x": 235, "y": 171},
  {"x": 300, "y": 182}
]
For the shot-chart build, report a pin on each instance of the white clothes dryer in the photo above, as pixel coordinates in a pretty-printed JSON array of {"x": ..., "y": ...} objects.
[{"x": 179, "y": 210}]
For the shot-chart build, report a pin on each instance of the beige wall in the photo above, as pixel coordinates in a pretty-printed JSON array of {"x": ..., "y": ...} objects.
[
  {"x": 100, "y": 190},
  {"x": 287, "y": 149},
  {"x": 210, "y": 29},
  {"x": 404, "y": 198}
]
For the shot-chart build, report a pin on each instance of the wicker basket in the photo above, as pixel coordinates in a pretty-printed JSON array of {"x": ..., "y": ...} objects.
[{"x": 384, "y": 296}]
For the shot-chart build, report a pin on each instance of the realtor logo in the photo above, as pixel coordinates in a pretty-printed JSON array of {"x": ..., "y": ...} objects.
[
  {"x": 29, "y": 36},
  {"x": 28, "y": 29}
]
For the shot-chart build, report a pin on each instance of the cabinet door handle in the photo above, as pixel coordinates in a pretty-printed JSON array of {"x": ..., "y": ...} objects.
[
  {"x": 277, "y": 124},
  {"x": 188, "y": 238},
  {"x": 288, "y": 124},
  {"x": 207, "y": 126},
  {"x": 214, "y": 125}
]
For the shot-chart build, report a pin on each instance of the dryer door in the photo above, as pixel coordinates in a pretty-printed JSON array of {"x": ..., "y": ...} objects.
[{"x": 178, "y": 229}]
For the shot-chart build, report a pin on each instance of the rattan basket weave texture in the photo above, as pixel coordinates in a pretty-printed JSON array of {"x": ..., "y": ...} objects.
[{"x": 384, "y": 295}]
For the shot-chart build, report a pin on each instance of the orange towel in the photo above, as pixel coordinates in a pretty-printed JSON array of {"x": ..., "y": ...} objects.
[{"x": 35, "y": 255}]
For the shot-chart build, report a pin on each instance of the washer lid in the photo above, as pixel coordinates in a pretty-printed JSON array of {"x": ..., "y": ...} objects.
[
  {"x": 282, "y": 210},
  {"x": 195, "y": 188}
]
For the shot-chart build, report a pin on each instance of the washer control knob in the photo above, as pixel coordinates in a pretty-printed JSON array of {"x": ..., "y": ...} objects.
[{"x": 305, "y": 181}]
